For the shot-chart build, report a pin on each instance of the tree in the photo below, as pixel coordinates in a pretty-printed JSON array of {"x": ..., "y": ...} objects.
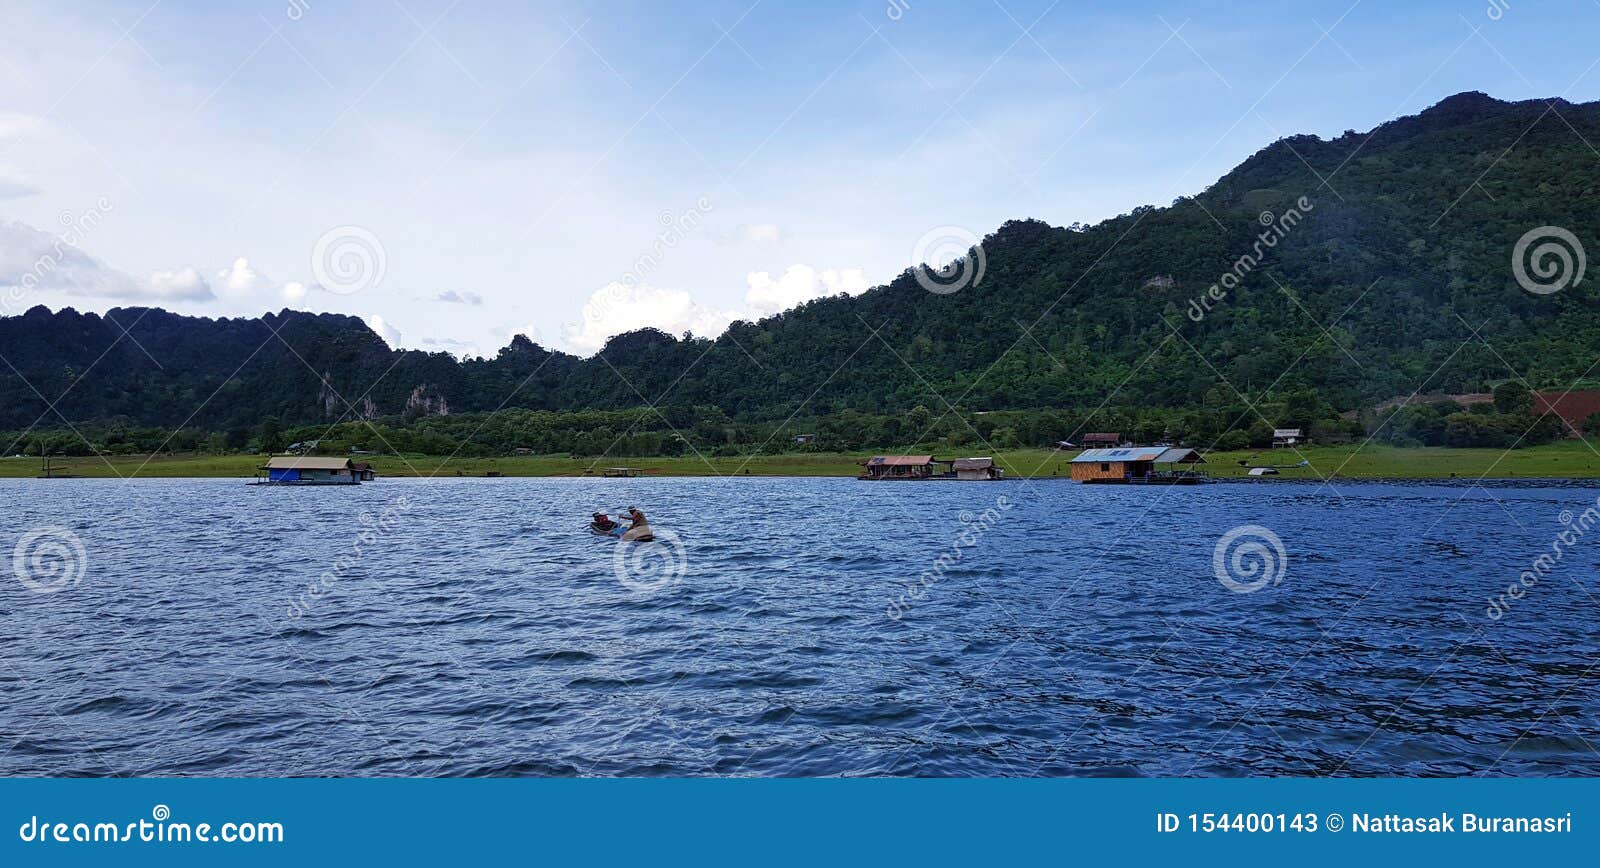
[{"x": 1512, "y": 397}]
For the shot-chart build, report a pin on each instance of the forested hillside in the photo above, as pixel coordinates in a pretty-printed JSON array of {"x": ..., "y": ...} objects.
[{"x": 1388, "y": 249}]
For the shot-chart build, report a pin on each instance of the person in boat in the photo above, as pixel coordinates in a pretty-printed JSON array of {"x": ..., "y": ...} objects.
[
  {"x": 602, "y": 523},
  {"x": 638, "y": 527}
]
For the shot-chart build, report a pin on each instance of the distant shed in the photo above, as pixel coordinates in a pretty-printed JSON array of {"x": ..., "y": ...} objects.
[
  {"x": 1138, "y": 464},
  {"x": 976, "y": 468},
  {"x": 884, "y": 467},
  {"x": 305, "y": 470}
]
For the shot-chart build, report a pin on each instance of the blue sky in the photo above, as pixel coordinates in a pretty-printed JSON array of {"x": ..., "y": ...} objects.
[{"x": 569, "y": 170}]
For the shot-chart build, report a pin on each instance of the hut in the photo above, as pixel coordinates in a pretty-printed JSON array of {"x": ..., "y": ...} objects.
[
  {"x": 363, "y": 471},
  {"x": 902, "y": 467},
  {"x": 1156, "y": 465},
  {"x": 1287, "y": 437},
  {"x": 303, "y": 470},
  {"x": 1102, "y": 439},
  {"x": 976, "y": 468}
]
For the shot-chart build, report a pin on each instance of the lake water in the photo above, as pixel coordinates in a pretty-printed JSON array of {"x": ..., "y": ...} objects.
[{"x": 795, "y": 627}]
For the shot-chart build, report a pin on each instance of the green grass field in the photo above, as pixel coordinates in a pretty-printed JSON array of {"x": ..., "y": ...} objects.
[{"x": 1569, "y": 459}]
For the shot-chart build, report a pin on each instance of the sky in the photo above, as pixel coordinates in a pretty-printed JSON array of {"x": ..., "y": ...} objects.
[{"x": 460, "y": 172}]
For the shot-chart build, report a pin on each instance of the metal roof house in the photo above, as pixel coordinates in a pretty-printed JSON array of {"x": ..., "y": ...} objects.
[
  {"x": 1288, "y": 437},
  {"x": 902, "y": 467},
  {"x": 305, "y": 470},
  {"x": 1153, "y": 465}
]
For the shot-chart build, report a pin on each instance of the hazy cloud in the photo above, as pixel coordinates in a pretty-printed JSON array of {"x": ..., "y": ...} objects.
[{"x": 450, "y": 296}]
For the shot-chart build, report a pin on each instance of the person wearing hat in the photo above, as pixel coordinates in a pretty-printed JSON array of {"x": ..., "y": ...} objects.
[
  {"x": 639, "y": 529},
  {"x": 602, "y": 523}
]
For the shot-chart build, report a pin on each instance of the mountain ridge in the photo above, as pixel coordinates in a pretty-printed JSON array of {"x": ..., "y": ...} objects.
[{"x": 1399, "y": 261}]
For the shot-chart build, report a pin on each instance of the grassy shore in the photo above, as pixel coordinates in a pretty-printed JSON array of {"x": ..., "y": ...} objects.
[{"x": 1568, "y": 459}]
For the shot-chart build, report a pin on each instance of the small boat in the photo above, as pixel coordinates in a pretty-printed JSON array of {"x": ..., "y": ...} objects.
[{"x": 615, "y": 531}]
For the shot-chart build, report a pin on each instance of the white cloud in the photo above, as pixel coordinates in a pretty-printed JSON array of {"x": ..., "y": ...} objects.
[
  {"x": 616, "y": 308},
  {"x": 180, "y": 284},
  {"x": 294, "y": 292},
  {"x": 382, "y": 329},
  {"x": 800, "y": 284},
  {"x": 32, "y": 260},
  {"x": 240, "y": 279},
  {"x": 450, "y": 296}
]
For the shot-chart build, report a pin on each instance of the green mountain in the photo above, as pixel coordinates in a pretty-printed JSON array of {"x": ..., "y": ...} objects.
[{"x": 1318, "y": 276}]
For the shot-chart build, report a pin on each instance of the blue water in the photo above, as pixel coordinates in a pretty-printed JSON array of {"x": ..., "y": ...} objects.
[{"x": 481, "y": 630}]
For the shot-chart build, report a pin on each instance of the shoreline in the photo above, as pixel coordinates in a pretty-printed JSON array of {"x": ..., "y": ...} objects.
[{"x": 1567, "y": 461}]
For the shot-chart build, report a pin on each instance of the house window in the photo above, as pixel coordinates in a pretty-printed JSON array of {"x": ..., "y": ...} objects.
[{"x": 1104, "y": 466}]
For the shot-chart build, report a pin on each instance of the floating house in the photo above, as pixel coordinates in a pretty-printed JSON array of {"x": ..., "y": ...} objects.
[
  {"x": 903, "y": 467},
  {"x": 1287, "y": 437},
  {"x": 620, "y": 472},
  {"x": 305, "y": 470},
  {"x": 364, "y": 471},
  {"x": 976, "y": 468},
  {"x": 928, "y": 467},
  {"x": 1153, "y": 465}
]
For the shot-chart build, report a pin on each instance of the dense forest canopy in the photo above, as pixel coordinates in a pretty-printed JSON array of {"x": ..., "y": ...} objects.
[{"x": 1318, "y": 277}]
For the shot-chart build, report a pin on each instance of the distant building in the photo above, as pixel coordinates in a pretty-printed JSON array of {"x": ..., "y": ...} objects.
[
  {"x": 901, "y": 467},
  {"x": 306, "y": 446},
  {"x": 300, "y": 470},
  {"x": 521, "y": 450},
  {"x": 1139, "y": 464},
  {"x": 1282, "y": 437},
  {"x": 363, "y": 471},
  {"x": 804, "y": 438},
  {"x": 1571, "y": 407},
  {"x": 976, "y": 468},
  {"x": 1102, "y": 438}
]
